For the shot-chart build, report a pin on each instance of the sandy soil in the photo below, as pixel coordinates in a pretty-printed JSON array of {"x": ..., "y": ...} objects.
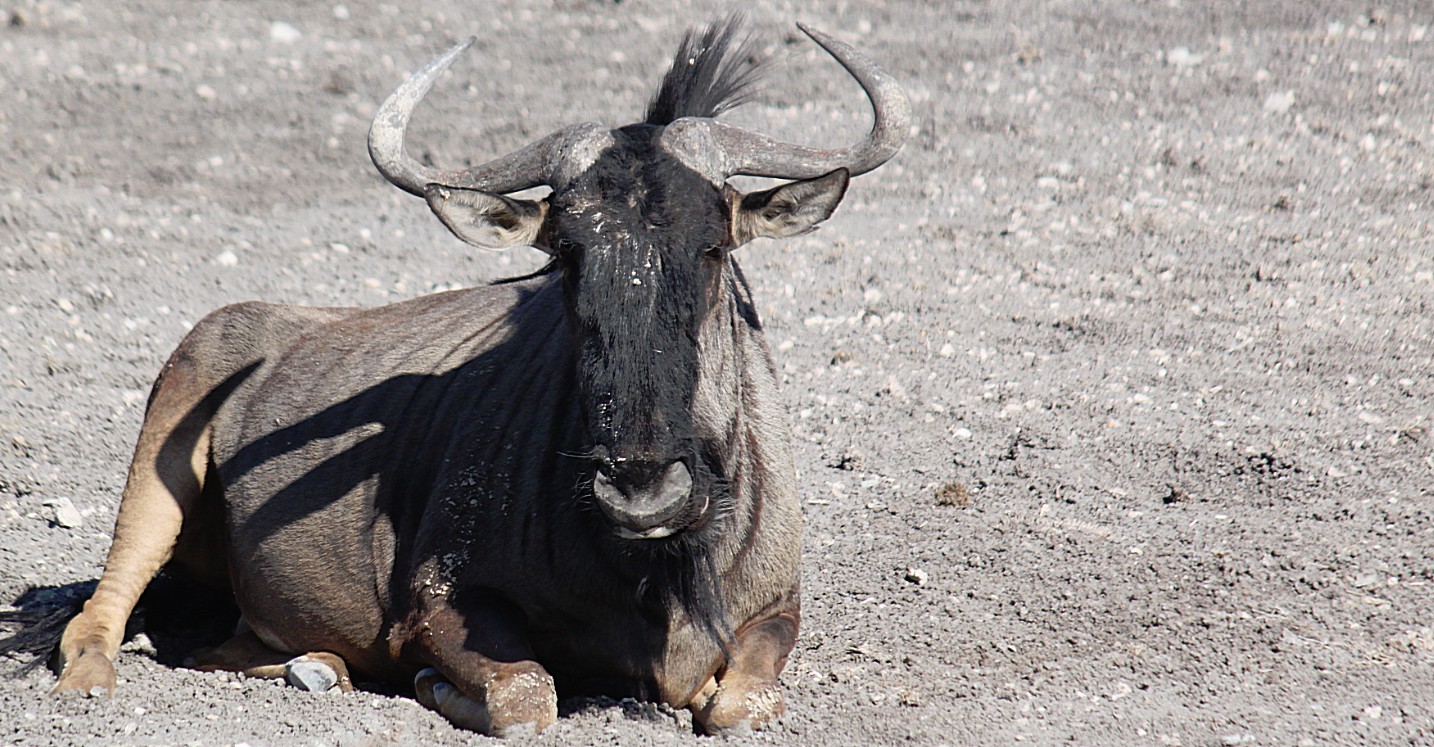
[{"x": 1112, "y": 393}]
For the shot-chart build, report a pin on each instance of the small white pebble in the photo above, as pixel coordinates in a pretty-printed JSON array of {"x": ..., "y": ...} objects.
[
  {"x": 284, "y": 33},
  {"x": 1279, "y": 102},
  {"x": 1183, "y": 57},
  {"x": 63, "y": 513}
]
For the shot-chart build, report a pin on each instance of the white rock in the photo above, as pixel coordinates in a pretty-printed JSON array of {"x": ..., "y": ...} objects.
[
  {"x": 310, "y": 675},
  {"x": 63, "y": 513},
  {"x": 895, "y": 387},
  {"x": 227, "y": 258},
  {"x": 1279, "y": 102},
  {"x": 284, "y": 33},
  {"x": 1183, "y": 57},
  {"x": 917, "y": 576}
]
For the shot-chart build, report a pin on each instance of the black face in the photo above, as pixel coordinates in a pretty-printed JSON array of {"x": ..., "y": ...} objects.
[{"x": 642, "y": 240}]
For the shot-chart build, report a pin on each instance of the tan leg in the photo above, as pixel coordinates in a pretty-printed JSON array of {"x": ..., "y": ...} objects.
[
  {"x": 247, "y": 654},
  {"x": 164, "y": 484}
]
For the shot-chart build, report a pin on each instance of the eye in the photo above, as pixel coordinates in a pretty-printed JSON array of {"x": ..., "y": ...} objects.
[{"x": 717, "y": 252}]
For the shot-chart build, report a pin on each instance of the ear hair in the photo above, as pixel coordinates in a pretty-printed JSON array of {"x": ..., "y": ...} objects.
[
  {"x": 787, "y": 210},
  {"x": 487, "y": 220}
]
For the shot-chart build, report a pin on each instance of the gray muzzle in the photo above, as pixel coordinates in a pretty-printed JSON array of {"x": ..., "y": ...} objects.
[{"x": 642, "y": 502}]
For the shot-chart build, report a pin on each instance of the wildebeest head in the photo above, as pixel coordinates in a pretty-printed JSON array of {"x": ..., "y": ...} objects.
[{"x": 640, "y": 222}]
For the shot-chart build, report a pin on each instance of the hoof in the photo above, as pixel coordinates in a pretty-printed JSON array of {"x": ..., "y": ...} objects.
[
  {"x": 742, "y": 728},
  {"x": 515, "y": 706},
  {"x": 738, "y": 711},
  {"x": 90, "y": 674}
]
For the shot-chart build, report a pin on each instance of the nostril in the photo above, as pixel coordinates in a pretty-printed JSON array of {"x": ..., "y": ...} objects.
[
  {"x": 677, "y": 481},
  {"x": 605, "y": 489}
]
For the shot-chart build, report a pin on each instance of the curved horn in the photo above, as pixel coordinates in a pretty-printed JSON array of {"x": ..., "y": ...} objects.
[
  {"x": 529, "y": 167},
  {"x": 754, "y": 154}
]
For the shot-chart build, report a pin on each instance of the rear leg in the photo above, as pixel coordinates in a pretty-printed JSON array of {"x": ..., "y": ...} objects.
[
  {"x": 164, "y": 486},
  {"x": 247, "y": 654}
]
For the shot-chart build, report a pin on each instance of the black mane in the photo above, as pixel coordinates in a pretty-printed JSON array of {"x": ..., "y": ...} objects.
[{"x": 710, "y": 74}]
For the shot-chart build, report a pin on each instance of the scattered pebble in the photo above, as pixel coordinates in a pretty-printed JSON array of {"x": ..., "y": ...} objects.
[
  {"x": 140, "y": 643},
  {"x": 206, "y": 92},
  {"x": 62, "y": 512},
  {"x": 1183, "y": 57},
  {"x": 916, "y": 576},
  {"x": 1366, "y": 580},
  {"x": 953, "y": 494},
  {"x": 1279, "y": 102},
  {"x": 226, "y": 258},
  {"x": 894, "y": 387},
  {"x": 284, "y": 33},
  {"x": 848, "y": 460}
]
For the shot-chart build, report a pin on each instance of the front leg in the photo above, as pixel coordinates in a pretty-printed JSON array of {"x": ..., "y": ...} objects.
[
  {"x": 481, "y": 673},
  {"x": 745, "y": 695}
]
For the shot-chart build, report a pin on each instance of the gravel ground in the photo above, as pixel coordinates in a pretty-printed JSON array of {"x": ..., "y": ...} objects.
[{"x": 1111, "y": 394}]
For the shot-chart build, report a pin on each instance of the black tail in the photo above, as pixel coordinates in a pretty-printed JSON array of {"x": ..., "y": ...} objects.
[
  {"x": 178, "y": 616},
  {"x": 711, "y": 73},
  {"x": 37, "y": 620}
]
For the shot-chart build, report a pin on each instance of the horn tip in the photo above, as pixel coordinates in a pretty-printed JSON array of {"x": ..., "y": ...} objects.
[
  {"x": 823, "y": 39},
  {"x": 447, "y": 58}
]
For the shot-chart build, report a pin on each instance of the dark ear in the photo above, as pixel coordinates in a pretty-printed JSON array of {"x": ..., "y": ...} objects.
[
  {"x": 486, "y": 220},
  {"x": 788, "y": 210}
]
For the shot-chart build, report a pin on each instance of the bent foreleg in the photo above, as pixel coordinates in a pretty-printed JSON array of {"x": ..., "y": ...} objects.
[{"x": 745, "y": 695}]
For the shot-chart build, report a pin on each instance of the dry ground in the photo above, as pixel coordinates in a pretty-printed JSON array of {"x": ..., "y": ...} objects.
[{"x": 1112, "y": 394}]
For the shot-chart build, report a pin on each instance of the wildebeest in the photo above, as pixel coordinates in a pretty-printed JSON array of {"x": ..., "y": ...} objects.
[{"x": 575, "y": 481}]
